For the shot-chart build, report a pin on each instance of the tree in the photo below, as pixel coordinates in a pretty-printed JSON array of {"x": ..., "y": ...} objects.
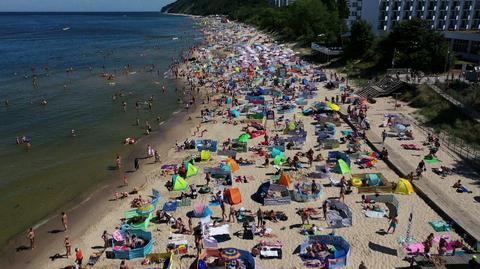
[
  {"x": 362, "y": 40},
  {"x": 415, "y": 46}
]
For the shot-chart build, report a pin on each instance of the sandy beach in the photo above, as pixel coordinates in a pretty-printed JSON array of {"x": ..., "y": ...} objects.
[{"x": 215, "y": 65}]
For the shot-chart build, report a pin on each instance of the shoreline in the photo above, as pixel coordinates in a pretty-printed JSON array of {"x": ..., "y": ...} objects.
[{"x": 12, "y": 255}]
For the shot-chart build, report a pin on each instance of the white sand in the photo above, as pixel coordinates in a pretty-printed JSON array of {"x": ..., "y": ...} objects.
[{"x": 359, "y": 236}]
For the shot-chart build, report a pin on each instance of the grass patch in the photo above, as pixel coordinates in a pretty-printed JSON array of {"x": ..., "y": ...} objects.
[{"x": 440, "y": 115}]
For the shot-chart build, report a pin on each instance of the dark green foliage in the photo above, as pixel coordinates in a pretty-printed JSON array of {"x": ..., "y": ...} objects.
[
  {"x": 416, "y": 46},
  {"x": 441, "y": 115},
  {"x": 361, "y": 41},
  {"x": 303, "y": 21}
]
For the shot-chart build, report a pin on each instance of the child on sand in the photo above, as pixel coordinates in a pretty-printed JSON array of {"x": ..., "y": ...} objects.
[{"x": 393, "y": 224}]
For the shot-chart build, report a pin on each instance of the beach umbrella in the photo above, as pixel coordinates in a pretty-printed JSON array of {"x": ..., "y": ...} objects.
[
  {"x": 276, "y": 152},
  {"x": 145, "y": 209},
  {"x": 342, "y": 167},
  {"x": 230, "y": 254},
  {"x": 244, "y": 137}
]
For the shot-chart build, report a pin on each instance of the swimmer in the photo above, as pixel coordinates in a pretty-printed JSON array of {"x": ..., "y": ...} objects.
[
  {"x": 73, "y": 133},
  {"x": 44, "y": 102}
]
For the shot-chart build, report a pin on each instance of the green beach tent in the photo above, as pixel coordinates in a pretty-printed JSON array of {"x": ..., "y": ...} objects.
[
  {"x": 179, "y": 183},
  {"x": 244, "y": 137},
  {"x": 279, "y": 159},
  {"x": 342, "y": 167},
  {"x": 192, "y": 170}
]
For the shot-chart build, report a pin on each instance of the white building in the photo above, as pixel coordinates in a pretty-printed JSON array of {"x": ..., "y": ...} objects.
[
  {"x": 460, "y": 19},
  {"x": 281, "y": 3}
]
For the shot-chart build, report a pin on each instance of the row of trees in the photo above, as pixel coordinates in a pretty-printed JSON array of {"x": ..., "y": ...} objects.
[{"x": 410, "y": 44}]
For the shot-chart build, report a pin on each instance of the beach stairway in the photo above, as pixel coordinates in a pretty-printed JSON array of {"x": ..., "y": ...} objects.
[{"x": 384, "y": 87}]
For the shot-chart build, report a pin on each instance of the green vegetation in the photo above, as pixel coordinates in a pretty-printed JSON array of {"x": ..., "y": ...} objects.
[
  {"x": 468, "y": 94},
  {"x": 305, "y": 21},
  {"x": 411, "y": 44},
  {"x": 439, "y": 114}
]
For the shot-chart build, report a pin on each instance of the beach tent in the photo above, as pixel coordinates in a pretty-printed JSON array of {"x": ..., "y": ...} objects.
[
  {"x": 179, "y": 183},
  {"x": 285, "y": 180},
  {"x": 341, "y": 167},
  {"x": 339, "y": 254},
  {"x": 206, "y": 144},
  {"x": 244, "y": 137},
  {"x": 205, "y": 155},
  {"x": 233, "y": 196},
  {"x": 276, "y": 152},
  {"x": 272, "y": 194},
  {"x": 404, "y": 187},
  {"x": 280, "y": 159},
  {"x": 390, "y": 201},
  {"x": 192, "y": 170},
  {"x": 233, "y": 164}
]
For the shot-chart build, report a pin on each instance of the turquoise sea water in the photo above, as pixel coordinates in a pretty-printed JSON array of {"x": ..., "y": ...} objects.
[{"x": 59, "y": 168}]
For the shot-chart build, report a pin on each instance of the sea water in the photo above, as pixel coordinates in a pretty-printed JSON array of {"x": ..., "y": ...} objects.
[{"x": 59, "y": 168}]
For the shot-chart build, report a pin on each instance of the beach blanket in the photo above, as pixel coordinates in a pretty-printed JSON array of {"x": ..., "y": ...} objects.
[
  {"x": 432, "y": 161},
  {"x": 346, "y": 132},
  {"x": 170, "y": 206},
  {"x": 169, "y": 167},
  {"x": 420, "y": 247},
  {"x": 374, "y": 214},
  {"x": 220, "y": 230},
  {"x": 184, "y": 202}
]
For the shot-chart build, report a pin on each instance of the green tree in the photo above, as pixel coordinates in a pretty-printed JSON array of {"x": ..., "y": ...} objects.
[
  {"x": 361, "y": 41},
  {"x": 415, "y": 46}
]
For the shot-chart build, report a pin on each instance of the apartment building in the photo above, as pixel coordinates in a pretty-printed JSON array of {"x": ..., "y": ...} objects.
[{"x": 458, "y": 19}]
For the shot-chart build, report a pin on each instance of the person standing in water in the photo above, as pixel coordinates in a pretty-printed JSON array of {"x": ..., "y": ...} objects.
[
  {"x": 119, "y": 162},
  {"x": 136, "y": 164},
  {"x": 64, "y": 221},
  {"x": 68, "y": 246},
  {"x": 31, "y": 238}
]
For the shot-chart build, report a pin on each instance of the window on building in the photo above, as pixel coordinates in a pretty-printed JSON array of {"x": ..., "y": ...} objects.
[{"x": 460, "y": 45}]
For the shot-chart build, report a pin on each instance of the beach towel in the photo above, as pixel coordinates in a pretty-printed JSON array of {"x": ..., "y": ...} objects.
[
  {"x": 170, "y": 206},
  {"x": 171, "y": 167},
  {"x": 184, "y": 202},
  {"x": 441, "y": 226},
  {"x": 432, "y": 161},
  {"x": 220, "y": 230}
]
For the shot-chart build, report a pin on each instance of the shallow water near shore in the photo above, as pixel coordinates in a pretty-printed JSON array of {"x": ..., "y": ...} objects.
[{"x": 60, "y": 169}]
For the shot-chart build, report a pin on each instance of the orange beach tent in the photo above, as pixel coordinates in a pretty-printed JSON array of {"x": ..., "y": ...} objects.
[
  {"x": 233, "y": 196},
  {"x": 285, "y": 180}
]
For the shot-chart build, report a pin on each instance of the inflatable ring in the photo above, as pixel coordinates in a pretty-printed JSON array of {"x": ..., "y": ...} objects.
[{"x": 357, "y": 182}]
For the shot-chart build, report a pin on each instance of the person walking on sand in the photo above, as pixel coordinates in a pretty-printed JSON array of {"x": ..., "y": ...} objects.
[
  {"x": 259, "y": 216},
  {"x": 384, "y": 136},
  {"x": 64, "y": 221},
  {"x": 123, "y": 265},
  {"x": 207, "y": 178},
  {"x": 136, "y": 164},
  {"x": 125, "y": 180},
  {"x": 78, "y": 257},
  {"x": 68, "y": 246},
  {"x": 156, "y": 155},
  {"x": 393, "y": 224},
  {"x": 31, "y": 238}
]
